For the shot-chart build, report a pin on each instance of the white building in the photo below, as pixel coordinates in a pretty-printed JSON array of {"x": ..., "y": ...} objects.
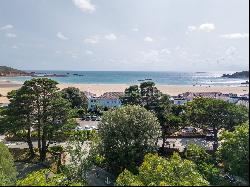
[
  {"x": 107, "y": 100},
  {"x": 178, "y": 100}
]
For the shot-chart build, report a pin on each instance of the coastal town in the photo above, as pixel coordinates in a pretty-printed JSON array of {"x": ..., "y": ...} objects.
[
  {"x": 124, "y": 93},
  {"x": 178, "y": 140}
]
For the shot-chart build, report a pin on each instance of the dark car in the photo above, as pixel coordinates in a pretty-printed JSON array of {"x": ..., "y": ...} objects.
[
  {"x": 88, "y": 118},
  {"x": 209, "y": 137},
  {"x": 229, "y": 178}
]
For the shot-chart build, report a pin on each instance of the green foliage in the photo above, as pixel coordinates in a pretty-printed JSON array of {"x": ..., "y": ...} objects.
[
  {"x": 146, "y": 95},
  {"x": 197, "y": 154},
  {"x": 157, "y": 171},
  {"x": 76, "y": 98},
  {"x": 126, "y": 135},
  {"x": 37, "y": 105},
  {"x": 45, "y": 177},
  {"x": 81, "y": 157},
  {"x": 206, "y": 112},
  {"x": 234, "y": 151},
  {"x": 7, "y": 169},
  {"x": 205, "y": 164},
  {"x": 217, "y": 114},
  {"x": 132, "y": 96}
]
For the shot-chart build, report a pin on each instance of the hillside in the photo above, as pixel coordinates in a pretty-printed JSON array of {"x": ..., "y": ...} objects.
[
  {"x": 11, "y": 72},
  {"x": 242, "y": 74}
]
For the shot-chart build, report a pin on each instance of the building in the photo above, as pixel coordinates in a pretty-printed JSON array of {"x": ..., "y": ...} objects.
[
  {"x": 181, "y": 99},
  {"x": 178, "y": 100},
  {"x": 107, "y": 100}
]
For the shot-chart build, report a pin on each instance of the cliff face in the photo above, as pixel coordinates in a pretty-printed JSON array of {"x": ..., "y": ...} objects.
[
  {"x": 11, "y": 72},
  {"x": 242, "y": 74}
]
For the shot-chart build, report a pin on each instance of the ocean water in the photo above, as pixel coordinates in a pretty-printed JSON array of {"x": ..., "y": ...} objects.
[{"x": 133, "y": 77}]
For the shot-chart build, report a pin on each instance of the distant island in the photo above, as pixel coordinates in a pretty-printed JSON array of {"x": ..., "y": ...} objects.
[
  {"x": 11, "y": 72},
  {"x": 242, "y": 74}
]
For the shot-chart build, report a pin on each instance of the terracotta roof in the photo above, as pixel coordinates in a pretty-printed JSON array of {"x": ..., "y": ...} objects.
[{"x": 111, "y": 95}]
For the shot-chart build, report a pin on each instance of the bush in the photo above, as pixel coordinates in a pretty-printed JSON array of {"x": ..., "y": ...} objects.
[
  {"x": 7, "y": 169},
  {"x": 126, "y": 135}
]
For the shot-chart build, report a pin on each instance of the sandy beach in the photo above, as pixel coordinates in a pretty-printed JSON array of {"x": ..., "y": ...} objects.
[{"x": 98, "y": 89}]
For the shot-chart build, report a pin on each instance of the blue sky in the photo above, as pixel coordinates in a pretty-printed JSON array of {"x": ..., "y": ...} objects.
[{"x": 146, "y": 35}]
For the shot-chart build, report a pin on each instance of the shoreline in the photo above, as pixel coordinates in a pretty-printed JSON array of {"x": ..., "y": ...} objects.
[{"x": 99, "y": 89}]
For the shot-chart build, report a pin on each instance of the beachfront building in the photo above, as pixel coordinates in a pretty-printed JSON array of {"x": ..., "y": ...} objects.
[
  {"x": 178, "y": 100},
  {"x": 181, "y": 99},
  {"x": 106, "y": 101}
]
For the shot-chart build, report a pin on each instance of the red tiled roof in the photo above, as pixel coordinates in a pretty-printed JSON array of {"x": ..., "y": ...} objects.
[{"x": 111, "y": 95}]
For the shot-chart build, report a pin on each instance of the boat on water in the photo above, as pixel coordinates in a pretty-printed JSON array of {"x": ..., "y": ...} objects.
[
  {"x": 140, "y": 80},
  {"x": 148, "y": 79},
  {"x": 247, "y": 82}
]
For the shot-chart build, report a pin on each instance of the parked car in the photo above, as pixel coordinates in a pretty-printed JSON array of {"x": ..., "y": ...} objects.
[
  {"x": 93, "y": 118},
  {"x": 88, "y": 128},
  {"x": 88, "y": 118},
  {"x": 209, "y": 136},
  {"x": 190, "y": 131},
  {"x": 98, "y": 118},
  {"x": 94, "y": 128},
  {"x": 78, "y": 128}
]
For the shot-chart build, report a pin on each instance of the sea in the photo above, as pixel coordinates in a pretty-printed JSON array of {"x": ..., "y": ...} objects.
[{"x": 135, "y": 77}]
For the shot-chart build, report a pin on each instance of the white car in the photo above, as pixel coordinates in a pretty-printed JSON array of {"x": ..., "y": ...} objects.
[
  {"x": 88, "y": 128},
  {"x": 98, "y": 118},
  {"x": 79, "y": 128},
  {"x": 94, "y": 128}
]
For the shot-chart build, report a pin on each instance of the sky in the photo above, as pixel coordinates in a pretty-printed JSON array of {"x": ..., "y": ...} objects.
[{"x": 125, "y": 35}]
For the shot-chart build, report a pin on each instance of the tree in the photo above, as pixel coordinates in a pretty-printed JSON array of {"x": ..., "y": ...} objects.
[
  {"x": 38, "y": 105},
  {"x": 148, "y": 96},
  {"x": 126, "y": 135},
  {"x": 172, "y": 119},
  {"x": 157, "y": 171},
  {"x": 7, "y": 169},
  {"x": 79, "y": 148},
  {"x": 45, "y": 177},
  {"x": 132, "y": 96},
  {"x": 216, "y": 114},
  {"x": 234, "y": 151},
  {"x": 205, "y": 164},
  {"x": 76, "y": 98},
  {"x": 145, "y": 95},
  {"x": 18, "y": 116}
]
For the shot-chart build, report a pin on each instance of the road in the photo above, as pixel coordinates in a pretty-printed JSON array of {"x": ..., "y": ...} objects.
[
  {"x": 180, "y": 143},
  {"x": 84, "y": 123}
]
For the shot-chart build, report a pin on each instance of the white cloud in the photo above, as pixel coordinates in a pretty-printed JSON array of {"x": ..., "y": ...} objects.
[
  {"x": 92, "y": 40},
  {"x": 10, "y": 35},
  {"x": 88, "y": 52},
  {"x": 207, "y": 27},
  {"x": 148, "y": 39},
  {"x": 85, "y": 5},
  {"x": 192, "y": 28},
  {"x": 61, "y": 36},
  {"x": 15, "y": 47},
  {"x": 111, "y": 37},
  {"x": 7, "y": 27},
  {"x": 235, "y": 35},
  {"x": 165, "y": 51},
  {"x": 58, "y": 52},
  {"x": 135, "y": 29}
]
